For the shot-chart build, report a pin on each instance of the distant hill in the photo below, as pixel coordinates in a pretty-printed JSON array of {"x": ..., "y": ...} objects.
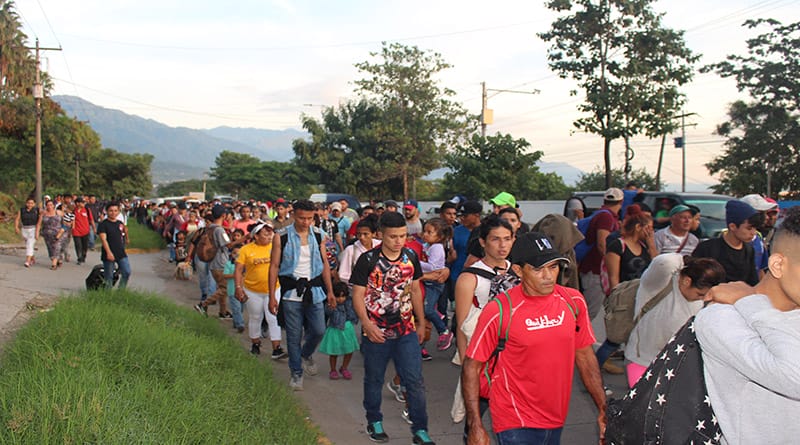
[
  {"x": 180, "y": 153},
  {"x": 186, "y": 153}
]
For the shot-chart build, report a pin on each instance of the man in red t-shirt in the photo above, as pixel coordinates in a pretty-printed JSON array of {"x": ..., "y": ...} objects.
[
  {"x": 604, "y": 221},
  {"x": 84, "y": 222},
  {"x": 549, "y": 334}
]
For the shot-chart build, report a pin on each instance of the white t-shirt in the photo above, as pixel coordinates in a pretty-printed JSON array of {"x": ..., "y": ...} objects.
[
  {"x": 668, "y": 242},
  {"x": 302, "y": 270}
]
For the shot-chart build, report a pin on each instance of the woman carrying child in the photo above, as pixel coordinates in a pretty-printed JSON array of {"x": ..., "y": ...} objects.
[{"x": 340, "y": 335}]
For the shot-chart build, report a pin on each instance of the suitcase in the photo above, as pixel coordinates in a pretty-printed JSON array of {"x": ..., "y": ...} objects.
[{"x": 96, "y": 280}]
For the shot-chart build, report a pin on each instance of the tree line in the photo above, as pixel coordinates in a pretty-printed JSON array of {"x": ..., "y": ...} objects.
[
  {"x": 67, "y": 144},
  {"x": 402, "y": 123}
]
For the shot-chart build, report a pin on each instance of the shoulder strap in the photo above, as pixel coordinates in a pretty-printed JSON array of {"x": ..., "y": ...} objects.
[
  {"x": 480, "y": 272},
  {"x": 502, "y": 339},
  {"x": 683, "y": 243},
  {"x": 653, "y": 302}
]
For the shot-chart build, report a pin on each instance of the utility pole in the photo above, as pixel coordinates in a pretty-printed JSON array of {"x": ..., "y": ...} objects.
[
  {"x": 38, "y": 94},
  {"x": 681, "y": 143},
  {"x": 487, "y": 114}
]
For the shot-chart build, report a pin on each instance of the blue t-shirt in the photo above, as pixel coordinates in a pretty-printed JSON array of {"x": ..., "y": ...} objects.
[
  {"x": 460, "y": 241},
  {"x": 760, "y": 251},
  {"x": 229, "y": 269}
]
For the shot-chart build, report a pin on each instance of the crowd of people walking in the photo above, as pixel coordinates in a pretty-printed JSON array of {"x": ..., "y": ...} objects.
[{"x": 516, "y": 299}]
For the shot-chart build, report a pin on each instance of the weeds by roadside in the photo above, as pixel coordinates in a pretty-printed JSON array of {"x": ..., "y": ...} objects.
[{"x": 123, "y": 367}]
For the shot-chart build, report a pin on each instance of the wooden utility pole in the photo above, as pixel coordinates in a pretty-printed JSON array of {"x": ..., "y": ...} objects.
[{"x": 38, "y": 94}]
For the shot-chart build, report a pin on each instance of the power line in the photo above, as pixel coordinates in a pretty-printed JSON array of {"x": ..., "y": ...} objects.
[
  {"x": 48, "y": 22},
  {"x": 299, "y": 47}
]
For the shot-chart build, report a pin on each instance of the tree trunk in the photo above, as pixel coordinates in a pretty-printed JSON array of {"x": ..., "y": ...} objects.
[
  {"x": 607, "y": 158},
  {"x": 660, "y": 162},
  {"x": 405, "y": 184}
]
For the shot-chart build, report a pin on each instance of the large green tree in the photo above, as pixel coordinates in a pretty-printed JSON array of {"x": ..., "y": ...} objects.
[
  {"x": 487, "y": 165},
  {"x": 763, "y": 134},
  {"x": 419, "y": 118},
  {"x": 350, "y": 151},
  {"x": 628, "y": 66}
]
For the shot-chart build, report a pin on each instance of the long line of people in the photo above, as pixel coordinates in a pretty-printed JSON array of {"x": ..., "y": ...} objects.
[{"x": 516, "y": 301}]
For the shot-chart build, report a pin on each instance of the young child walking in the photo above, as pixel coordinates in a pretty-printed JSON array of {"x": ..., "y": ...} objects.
[
  {"x": 340, "y": 336},
  {"x": 435, "y": 234}
]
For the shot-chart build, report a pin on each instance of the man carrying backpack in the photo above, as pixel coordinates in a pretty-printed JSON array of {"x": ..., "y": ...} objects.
[
  {"x": 604, "y": 221},
  {"x": 216, "y": 235},
  {"x": 529, "y": 352}
]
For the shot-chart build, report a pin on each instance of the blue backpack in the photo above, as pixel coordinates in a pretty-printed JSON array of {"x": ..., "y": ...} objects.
[{"x": 583, "y": 248}]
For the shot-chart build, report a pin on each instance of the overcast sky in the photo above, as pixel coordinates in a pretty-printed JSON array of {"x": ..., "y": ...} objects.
[{"x": 260, "y": 63}]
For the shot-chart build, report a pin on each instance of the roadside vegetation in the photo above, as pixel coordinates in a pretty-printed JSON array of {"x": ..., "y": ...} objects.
[
  {"x": 122, "y": 367},
  {"x": 142, "y": 237}
]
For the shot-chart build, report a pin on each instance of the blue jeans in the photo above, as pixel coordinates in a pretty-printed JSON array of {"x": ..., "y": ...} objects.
[
  {"x": 124, "y": 271},
  {"x": 235, "y": 306},
  {"x": 297, "y": 316},
  {"x": 605, "y": 350},
  {"x": 530, "y": 436},
  {"x": 92, "y": 237},
  {"x": 207, "y": 284},
  {"x": 432, "y": 293},
  {"x": 405, "y": 353}
]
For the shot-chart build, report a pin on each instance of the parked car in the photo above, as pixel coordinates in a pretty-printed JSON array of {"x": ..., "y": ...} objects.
[
  {"x": 712, "y": 207},
  {"x": 352, "y": 201}
]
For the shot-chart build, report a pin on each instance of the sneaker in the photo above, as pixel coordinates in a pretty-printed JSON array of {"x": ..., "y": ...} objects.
[
  {"x": 608, "y": 391},
  {"x": 376, "y": 433},
  {"x": 346, "y": 374},
  {"x": 425, "y": 356},
  {"x": 278, "y": 353},
  {"x": 309, "y": 366},
  {"x": 296, "y": 383},
  {"x": 421, "y": 437},
  {"x": 405, "y": 417},
  {"x": 445, "y": 341},
  {"x": 334, "y": 375},
  {"x": 612, "y": 368},
  {"x": 396, "y": 390},
  {"x": 200, "y": 308},
  {"x": 255, "y": 349},
  {"x": 226, "y": 316},
  {"x": 27, "y": 264}
]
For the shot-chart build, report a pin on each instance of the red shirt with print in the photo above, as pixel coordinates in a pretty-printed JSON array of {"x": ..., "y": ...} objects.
[{"x": 532, "y": 381}]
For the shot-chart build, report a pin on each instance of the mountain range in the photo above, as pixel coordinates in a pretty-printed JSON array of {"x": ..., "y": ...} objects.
[{"x": 186, "y": 153}]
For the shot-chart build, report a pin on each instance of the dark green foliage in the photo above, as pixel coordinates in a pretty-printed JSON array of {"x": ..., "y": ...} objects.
[
  {"x": 763, "y": 134},
  {"x": 486, "y": 166},
  {"x": 596, "y": 180},
  {"x": 249, "y": 177},
  {"x": 628, "y": 65}
]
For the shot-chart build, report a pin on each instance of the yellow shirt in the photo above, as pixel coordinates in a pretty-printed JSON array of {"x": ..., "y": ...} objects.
[{"x": 256, "y": 260}]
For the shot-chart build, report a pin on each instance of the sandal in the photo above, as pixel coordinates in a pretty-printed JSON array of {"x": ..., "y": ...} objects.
[
  {"x": 346, "y": 374},
  {"x": 53, "y": 267},
  {"x": 334, "y": 375}
]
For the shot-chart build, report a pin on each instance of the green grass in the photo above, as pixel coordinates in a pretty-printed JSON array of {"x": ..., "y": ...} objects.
[
  {"x": 130, "y": 368},
  {"x": 142, "y": 237}
]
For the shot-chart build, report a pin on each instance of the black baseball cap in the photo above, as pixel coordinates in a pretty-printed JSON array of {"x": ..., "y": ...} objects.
[
  {"x": 471, "y": 207},
  {"x": 536, "y": 249}
]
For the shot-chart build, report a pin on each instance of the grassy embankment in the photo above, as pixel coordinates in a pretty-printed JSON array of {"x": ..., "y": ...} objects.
[
  {"x": 121, "y": 367},
  {"x": 142, "y": 237}
]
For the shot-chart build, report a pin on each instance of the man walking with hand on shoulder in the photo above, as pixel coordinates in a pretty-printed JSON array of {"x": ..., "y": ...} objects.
[
  {"x": 751, "y": 348},
  {"x": 546, "y": 333}
]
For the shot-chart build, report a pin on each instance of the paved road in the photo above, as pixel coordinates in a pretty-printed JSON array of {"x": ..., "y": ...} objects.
[{"x": 335, "y": 406}]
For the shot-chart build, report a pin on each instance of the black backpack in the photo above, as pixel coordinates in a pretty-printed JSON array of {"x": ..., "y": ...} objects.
[{"x": 669, "y": 404}]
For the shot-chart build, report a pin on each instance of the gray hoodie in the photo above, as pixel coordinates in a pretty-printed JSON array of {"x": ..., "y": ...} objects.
[{"x": 751, "y": 354}]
